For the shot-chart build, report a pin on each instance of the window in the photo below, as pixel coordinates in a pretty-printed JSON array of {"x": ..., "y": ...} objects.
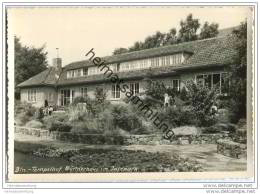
[
  {"x": 208, "y": 80},
  {"x": 155, "y": 62},
  {"x": 65, "y": 97},
  {"x": 32, "y": 95},
  {"x": 92, "y": 70},
  {"x": 163, "y": 61},
  {"x": 70, "y": 74},
  {"x": 225, "y": 84},
  {"x": 84, "y": 92},
  {"x": 168, "y": 60},
  {"x": 85, "y": 71},
  {"x": 135, "y": 88},
  {"x": 176, "y": 84},
  {"x": 125, "y": 66},
  {"x": 116, "y": 91},
  {"x": 217, "y": 80},
  {"x": 118, "y": 67},
  {"x": 78, "y": 72}
]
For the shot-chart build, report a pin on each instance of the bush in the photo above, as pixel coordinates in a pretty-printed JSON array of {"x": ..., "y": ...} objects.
[
  {"x": 34, "y": 124},
  {"x": 24, "y": 112},
  {"x": 120, "y": 117},
  {"x": 202, "y": 99},
  {"x": 60, "y": 126},
  {"x": 39, "y": 114},
  {"x": 124, "y": 118},
  {"x": 100, "y": 95},
  {"x": 89, "y": 126},
  {"x": 184, "y": 94},
  {"x": 59, "y": 117},
  {"x": 176, "y": 117},
  {"x": 21, "y": 119}
]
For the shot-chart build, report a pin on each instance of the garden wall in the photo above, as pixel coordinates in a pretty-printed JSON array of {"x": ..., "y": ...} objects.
[
  {"x": 99, "y": 139},
  {"x": 230, "y": 148}
]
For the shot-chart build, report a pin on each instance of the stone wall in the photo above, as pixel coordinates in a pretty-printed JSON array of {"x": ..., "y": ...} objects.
[
  {"x": 99, "y": 139},
  {"x": 230, "y": 148}
]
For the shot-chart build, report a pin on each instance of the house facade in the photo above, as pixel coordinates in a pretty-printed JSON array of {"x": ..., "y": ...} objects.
[{"x": 204, "y": 61}]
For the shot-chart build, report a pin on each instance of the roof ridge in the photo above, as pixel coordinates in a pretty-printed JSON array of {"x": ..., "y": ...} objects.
[{"x": 47, "y": 75}]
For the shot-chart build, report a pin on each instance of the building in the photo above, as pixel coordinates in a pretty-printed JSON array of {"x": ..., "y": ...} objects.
[{"x": 201, "y": 60}]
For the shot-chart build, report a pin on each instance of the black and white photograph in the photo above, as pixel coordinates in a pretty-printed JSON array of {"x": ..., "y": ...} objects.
[{"x": 130, "y": 90}]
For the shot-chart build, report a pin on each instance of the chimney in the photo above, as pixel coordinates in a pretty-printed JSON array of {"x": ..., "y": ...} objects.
[{"x": 57, "y": 63}]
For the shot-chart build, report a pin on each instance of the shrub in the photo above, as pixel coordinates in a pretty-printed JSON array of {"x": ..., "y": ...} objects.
[
  {"x": 100, "y": 95},
  {"x": 34, "y": 124},
  {"x": 90, "y": 126},
  {"x": 184, "y": 94},
  {"x": 124, "y": 118},
  {"x": 24, "y": 112},
  {"x": 77, "y": 113},
  {"x": 60, "y": 126},
  {"x": 23, "y": 107},
  {"x": 60, "y": 117},
  {"x": 202, "y": 99},
  {"x": 120, "y": 117},
  {"x": 176, "y": 117},
  {"x": 155, "y": 89},
  {"x": 39, "y": 114},
  {"x": 21, "y": 119}
]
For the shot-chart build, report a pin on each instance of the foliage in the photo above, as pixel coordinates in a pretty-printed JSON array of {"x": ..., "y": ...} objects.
[
  {"x": 34, "y": 124},
  {"x": 202, "y": 99},
  {"x": 184, "y": 94},
  {"x": 124, "y": 118},
  {"x": 60, "y": 126},
  {"x": 175, "y": 117},
  {"x": 23, "y": 112},
  {"x": 100, "y": 95},
  {"x": 29, "y": 61},
  {"x": 118, "y": 51},
  {"x": 238, "y": 75},
  {"x": 39, "y": 114},
  {"x": 88, "y": 126},
  {"x": 59, "y": 117},
  {"x": 156, "y": 90},
  {"x": 93, "y": 106},
  {"x": 208, "y": 30},
  {"x": 188, "y": 30},
  {"x": 135, "y": 161}
]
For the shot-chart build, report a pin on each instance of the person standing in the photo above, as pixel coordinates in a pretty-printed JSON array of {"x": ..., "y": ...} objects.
[{"x": 166, "y": 100}]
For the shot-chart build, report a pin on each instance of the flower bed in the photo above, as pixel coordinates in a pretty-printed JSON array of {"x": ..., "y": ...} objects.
[{"x": 107, "y": 160}]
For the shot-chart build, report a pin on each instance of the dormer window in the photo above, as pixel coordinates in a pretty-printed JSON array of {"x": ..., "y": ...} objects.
[
  {"x": 85, "y": 71},
  {"x": 118, "y": 67}
]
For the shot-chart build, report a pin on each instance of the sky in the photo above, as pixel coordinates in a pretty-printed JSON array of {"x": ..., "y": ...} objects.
[{"x": 76, "y": 30}]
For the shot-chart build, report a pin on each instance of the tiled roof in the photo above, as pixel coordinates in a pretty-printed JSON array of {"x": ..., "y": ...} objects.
[
  {"x": 205, "y": 53},
  {"x": 47, "y": 77}
]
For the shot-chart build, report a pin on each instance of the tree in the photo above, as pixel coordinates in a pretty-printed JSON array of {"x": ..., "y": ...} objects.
[
  {"x": 119, "y": 51},
  {"x": 29, "y": 61},
  {"x": 188, "y": 30},
  {"x": 238, "y": 75},
  {"x": 209, "y": 31},
  {"x": 170, "y": 37}
]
